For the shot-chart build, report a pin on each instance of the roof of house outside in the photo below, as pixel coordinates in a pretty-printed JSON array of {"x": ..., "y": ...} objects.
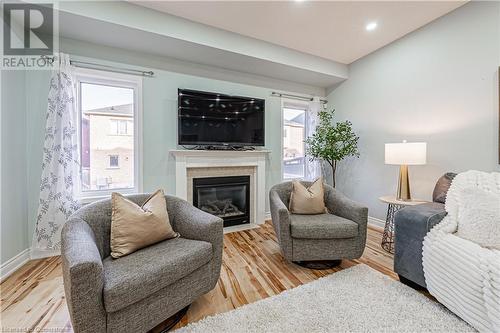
[
  {"x": 297, "y": 121},
  {"x": 115, "y": 110},
  {"x": 293, "y": 123}
]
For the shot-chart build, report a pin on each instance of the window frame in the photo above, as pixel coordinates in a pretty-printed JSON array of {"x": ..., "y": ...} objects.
[
  {"x": 298, "y": 105},
  {"x": 92, "y": 76}
]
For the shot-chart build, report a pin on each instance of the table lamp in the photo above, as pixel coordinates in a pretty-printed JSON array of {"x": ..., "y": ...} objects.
[{"x": 404, "y": 154}]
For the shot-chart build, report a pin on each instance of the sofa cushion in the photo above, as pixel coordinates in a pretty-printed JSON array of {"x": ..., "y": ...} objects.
[
  {"x": 134, "y": 277},
  {"x": 322, "y": 226}
]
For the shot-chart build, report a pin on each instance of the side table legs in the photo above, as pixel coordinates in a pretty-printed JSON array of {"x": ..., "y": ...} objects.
[{"x": 388, "y": 236}]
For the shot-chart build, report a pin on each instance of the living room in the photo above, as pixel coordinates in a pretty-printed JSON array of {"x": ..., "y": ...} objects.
[{"x": 233, "y": 166}]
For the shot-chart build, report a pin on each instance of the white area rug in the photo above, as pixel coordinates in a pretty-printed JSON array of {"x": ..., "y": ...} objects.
[{"x": 358, "y": 299}]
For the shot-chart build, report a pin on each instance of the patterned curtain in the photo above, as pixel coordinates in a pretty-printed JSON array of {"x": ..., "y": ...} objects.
[
  {"x": 313, "y": 168},
  {"x": 60, "y": 158}
]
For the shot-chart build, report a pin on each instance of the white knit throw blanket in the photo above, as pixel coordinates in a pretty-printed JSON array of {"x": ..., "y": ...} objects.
[{"x": 460, "y": 274}]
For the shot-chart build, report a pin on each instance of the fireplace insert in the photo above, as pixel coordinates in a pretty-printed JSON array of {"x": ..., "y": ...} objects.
[{"x": 225, "y": 197}]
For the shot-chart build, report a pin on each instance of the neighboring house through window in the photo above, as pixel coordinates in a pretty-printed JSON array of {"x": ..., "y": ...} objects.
[
  {"x": 109, "y": 109},
  {"x": 294, "y": 131}
]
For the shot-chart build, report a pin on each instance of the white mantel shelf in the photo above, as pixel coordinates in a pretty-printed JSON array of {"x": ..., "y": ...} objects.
[
  {"x": 233, "y": 153},
  {"x": 185, "y": 159}
]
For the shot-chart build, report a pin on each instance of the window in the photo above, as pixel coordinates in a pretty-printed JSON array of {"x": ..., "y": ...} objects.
[
  {"x": 294, "y": 134},
  {"x": 109, "y": 113},
  {"x": 114, "y": 161},
  {"x": 121, "y": 127}
]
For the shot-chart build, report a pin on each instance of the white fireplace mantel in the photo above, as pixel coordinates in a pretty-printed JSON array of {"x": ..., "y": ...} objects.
[{"x": 185, "y": 159}]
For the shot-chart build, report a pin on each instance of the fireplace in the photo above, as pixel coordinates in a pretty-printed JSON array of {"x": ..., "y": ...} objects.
[{"x": 224, "y": 197}]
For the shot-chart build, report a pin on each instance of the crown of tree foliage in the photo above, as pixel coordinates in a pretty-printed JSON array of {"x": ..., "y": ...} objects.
[{"x": 332, "y": 142}]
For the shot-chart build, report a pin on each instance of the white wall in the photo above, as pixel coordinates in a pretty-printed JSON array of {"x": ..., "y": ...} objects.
[{"x": 438, "y": 85}]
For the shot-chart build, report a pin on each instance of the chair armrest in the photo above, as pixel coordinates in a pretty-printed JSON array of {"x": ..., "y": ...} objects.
[
  {"x": 340, "y": 205},
  {"x": 281, "y": 221},
  {"x": 83, "y": 276},
  {"x": 193, "y": 223}
]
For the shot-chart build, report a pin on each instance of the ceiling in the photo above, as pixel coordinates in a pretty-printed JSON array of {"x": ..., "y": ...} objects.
[
  {"x": 186, "y": 56},
  {"x": 331, "y": 30}
]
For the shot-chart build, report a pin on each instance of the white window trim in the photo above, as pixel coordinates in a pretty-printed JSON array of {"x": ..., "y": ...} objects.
[
  {"x": 291, "y": 104},
  {"x": 121, "y": 80}
]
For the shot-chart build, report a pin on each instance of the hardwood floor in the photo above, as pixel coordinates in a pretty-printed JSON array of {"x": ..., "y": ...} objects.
[{"x": 32, "y": 299}]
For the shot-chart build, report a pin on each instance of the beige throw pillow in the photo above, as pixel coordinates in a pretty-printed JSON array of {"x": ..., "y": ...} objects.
[
  {"x": 134, "y": 227},
  {"x": 308, "y": 200}
]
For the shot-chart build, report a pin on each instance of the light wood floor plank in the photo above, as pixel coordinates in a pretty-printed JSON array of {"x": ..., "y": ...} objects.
[{"x": 253, "y": 269}]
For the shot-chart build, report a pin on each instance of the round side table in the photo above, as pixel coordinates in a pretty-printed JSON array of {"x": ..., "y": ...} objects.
[{"x": 394, "y": 205}]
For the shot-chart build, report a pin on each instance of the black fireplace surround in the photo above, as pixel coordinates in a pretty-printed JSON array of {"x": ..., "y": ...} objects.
[{"x": 224, "y": 197}]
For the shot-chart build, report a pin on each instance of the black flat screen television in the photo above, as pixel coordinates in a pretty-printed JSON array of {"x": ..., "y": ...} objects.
[{"x": 206, "y": 118}]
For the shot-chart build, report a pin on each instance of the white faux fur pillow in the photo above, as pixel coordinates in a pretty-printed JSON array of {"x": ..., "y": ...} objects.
[{"x": 479, "y": 217}]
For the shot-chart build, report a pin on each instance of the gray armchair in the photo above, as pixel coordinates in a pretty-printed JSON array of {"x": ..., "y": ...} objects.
[
  {"x": 139, "y": 291},
  {"x": 339, "y": 234}
]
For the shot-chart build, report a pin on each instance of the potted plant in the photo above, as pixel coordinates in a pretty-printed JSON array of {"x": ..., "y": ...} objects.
[{"x": 332, "y": 142}]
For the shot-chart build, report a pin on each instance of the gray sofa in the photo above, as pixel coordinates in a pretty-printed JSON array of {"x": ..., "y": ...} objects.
[
  {"x": 339, "y": 234},
  {"x": 137, "y": 292},
  {"x": 411, "y": 225}
]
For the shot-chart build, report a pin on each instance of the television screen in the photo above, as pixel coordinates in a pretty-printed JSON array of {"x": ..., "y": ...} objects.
[{"x": 215, "y": 119}]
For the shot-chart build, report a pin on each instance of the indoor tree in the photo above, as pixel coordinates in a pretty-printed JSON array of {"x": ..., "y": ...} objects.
[{"x": 332, "y": 142}]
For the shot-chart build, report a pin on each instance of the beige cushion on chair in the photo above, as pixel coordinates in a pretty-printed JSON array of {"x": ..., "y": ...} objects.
[
  {"x": 308, "y": 200},
  {"x": 134, "y": 227}
]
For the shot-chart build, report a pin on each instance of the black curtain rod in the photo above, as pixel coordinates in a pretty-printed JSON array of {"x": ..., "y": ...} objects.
[{"x": 298, "y": 97}]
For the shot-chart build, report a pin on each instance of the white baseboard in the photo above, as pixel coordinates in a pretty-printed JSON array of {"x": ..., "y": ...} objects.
[
  {"x": 39, "y": 254},
  {"x": 375, "y": 222},
  {"x": 13, "y": 264},
  {"x": 267, "y": 216}
]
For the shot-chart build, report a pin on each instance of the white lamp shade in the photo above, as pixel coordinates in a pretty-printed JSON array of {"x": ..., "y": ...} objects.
[{"x": 406, "y": 153}]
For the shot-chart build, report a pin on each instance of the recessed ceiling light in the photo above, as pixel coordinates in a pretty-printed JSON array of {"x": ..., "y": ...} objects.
[{"x": 371, "y": 26}]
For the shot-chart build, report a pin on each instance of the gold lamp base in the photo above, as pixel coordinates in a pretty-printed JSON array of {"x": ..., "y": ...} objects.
[{"x": 403, "y": 184}]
